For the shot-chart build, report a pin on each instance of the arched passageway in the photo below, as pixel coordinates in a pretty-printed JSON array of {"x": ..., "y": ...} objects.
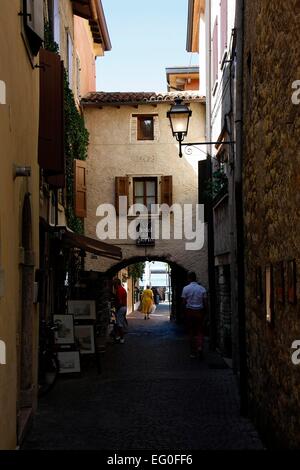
[{"x": 178, "y": 276}]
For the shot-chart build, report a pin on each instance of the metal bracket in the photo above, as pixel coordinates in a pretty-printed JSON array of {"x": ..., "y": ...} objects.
[
  {"x": 21, "y": 13},
  {"x": 189, "y": 146}
]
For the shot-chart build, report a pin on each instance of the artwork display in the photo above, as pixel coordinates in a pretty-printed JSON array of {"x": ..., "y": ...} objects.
[
  {"x": 82, "y": 309},
  {"x": 69, "y": 362},
  {"x": 85, "y": 337},
  {"x": 65, "y": 329}
]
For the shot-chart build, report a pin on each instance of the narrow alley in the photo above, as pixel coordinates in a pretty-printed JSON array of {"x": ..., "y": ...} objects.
[{"x": 150, "y": 395}]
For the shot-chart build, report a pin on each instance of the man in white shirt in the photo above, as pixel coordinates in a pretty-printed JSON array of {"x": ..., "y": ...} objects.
[{"x": 194, "y": 299}]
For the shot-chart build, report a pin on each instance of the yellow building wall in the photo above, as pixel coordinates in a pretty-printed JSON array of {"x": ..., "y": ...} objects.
[
  {"x": 84, "y": 47},
  {"x": 19, "y": 139}
]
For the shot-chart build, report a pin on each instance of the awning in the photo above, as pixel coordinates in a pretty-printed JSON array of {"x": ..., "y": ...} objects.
[
  {"x": 91, "y": 245},
  {"x": 69, "y": 238}
]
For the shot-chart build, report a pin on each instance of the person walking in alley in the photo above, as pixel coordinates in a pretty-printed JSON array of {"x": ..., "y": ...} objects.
[
  {"x": 121, "y": 310},
  {"x": 147, "y": 302},
  {"x": 194, "y": 299}
]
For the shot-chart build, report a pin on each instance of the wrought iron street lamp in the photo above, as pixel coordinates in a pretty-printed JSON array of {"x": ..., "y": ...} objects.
[{"x": 179, "y": 115}]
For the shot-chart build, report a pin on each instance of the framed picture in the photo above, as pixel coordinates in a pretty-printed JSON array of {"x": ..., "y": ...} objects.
[
  {"x": 279, "y": 282},
  {"x": 269, "y": 295},
  {"x": 65, "y": 329},
  {"x": 82, "y": 309},
  {"x": 69, "y": 362},
  {"x": 85, "y": 337},
  {"x": 291, "y": 282},
  {"x": 259, "y": 284}
]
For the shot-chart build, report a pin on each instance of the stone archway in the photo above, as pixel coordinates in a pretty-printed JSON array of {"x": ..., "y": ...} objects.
[
  {"x": 26, "y": 379},
  {"x": 178, "y": 278}
]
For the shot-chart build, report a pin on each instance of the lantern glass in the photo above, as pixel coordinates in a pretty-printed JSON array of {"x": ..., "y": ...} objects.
[{"x": 179, "y": 116}]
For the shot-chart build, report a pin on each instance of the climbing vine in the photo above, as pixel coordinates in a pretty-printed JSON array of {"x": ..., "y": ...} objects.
[
  {"x": 76, "y": 138},
  {"x": 136, "y": 271},
  {"x": 216, "y": 185}
]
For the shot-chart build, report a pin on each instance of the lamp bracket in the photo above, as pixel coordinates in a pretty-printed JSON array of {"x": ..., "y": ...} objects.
[{"x": 188, "y": 150}]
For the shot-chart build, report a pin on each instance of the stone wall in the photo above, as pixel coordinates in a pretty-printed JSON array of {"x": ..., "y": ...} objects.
[{"x": 272, "y": 211}]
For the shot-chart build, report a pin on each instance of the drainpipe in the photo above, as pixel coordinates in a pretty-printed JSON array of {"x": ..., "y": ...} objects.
[
  {"x": 210, "y": 218},
  {"x": 239, "y": 207}
]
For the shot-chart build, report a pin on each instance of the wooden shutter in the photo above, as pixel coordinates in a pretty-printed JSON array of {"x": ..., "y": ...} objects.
[
  {"x": 224, "y": 30},
  {"x": 51, "y": 126},
  {"x": 80, "y": 188},
  {"x": 215, "y": 55},
  {"x": 121, "y": 189},
  {"x": 167, "y": 190}
]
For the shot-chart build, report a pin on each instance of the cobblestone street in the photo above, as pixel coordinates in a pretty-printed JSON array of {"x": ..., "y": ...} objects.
[{"x": 151, "y": 395}]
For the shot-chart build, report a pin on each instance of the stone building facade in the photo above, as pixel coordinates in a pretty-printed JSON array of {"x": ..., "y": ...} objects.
[
  {"x": 272, "y": 216},
  {"x": 116, "y": 152}
]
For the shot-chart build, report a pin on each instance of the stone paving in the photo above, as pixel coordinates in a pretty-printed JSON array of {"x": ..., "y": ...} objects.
[{"x": 151, "y": 395}]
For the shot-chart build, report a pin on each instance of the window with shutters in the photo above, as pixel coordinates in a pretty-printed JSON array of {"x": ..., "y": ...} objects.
[
  {"x": 32, "y": 15},
  {"x": 215, "y": 56},
  {"x": 145, "y": 191},
  {"x": 224, "y": 29},
  {"x": 80, "y": 188}
]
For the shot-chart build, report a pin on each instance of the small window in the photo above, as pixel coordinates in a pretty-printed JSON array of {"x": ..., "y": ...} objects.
[
  {"x": 145, "y": 191},
  {"x": 145, "y": 129}
]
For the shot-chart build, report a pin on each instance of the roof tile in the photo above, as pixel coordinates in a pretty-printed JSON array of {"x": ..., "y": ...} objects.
[{"x": 120, "y": 98}]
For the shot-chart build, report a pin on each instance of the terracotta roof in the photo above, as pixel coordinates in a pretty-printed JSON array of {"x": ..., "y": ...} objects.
[{"x": 123, "y": 98}]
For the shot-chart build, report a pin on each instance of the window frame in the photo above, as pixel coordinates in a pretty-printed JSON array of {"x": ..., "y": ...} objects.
[
  {"x": 145, "y": 179},
  {"x": 144, "y": 117}
]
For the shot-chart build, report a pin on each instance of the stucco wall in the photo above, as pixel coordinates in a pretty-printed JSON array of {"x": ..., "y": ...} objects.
[
  {"x": 113, "y": 153},
  {"x": 85, "y": 50},
  {"x": 18, "y": 137},
  {"x": 272, "y": 214}
]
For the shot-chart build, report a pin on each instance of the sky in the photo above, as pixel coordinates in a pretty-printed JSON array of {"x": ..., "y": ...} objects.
[{"x": 146, "y": 37}]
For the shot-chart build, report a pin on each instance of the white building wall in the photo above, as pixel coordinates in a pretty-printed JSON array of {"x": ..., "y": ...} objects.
[{"x": 218, "y": 97}]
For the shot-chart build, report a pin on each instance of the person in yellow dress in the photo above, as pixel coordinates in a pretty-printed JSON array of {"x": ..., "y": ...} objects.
[{"x": 147, "y": 302}]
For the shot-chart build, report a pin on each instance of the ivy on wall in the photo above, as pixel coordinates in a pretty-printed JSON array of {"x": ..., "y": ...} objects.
[
  {"x": 217, "y": 185},
  {"x": 76, "y": 139}
]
